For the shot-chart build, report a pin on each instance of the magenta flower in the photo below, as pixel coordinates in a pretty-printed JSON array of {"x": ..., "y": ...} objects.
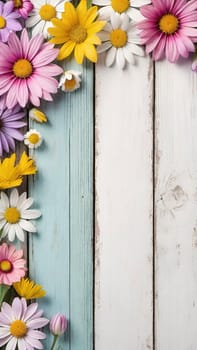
[
  {"x": 10, "y": 122},
  {"x": 26, "y": 71},
  {"x": 169, "y": 28},
  {"x": 19, "y": 325},
  {"x": 23, "y": 7},
  {"x": 11, "y": 264},
  {"x": 8, "y": 20},
  {"x": 58, "y": 324}
]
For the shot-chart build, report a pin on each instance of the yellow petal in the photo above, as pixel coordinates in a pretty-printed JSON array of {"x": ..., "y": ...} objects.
[
  {"x": 96, "y": 27},
  {"x": 90, "y": 16},
  {"x": 66, "y": 50},
  {"x": 91, "y": 53},
  {"x": 82, "y": 10},
  {"x": 93, "y": 39},
  {"x": 79, "y": 53},
  {"x": 70, "y": 13}
]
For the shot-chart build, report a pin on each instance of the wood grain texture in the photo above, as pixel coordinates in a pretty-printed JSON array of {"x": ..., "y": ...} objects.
[
  {"x": 176, "y": 207},
  {"x": 123, "y": 290},
  {"x": 61, "y": 252}
]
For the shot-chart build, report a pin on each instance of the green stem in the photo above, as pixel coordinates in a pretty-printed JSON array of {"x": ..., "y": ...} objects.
[{"x": 54, "y": 342}]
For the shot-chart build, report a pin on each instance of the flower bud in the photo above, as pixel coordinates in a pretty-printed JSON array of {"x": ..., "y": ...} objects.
[{"x": 58, "y": 324}]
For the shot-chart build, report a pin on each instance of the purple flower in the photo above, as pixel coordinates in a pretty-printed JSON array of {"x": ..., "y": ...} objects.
[
  {"x": 20, "y": 324},
  {"x": 23, "y": 7},
  {"x": 10, "y": 122},
  {"x": 58, "y": 324},
  {"x": 8, "y": 20}
]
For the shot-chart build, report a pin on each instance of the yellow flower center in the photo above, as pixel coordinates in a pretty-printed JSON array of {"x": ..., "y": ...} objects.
[
  {"x": 2, "y": 22},
  {"x": 168, "y": 24},
  {"x": 120, "y": 5},
  {"x": 78, "y": 34},
  {"x": 18, "y": 3},
  {"x": 118, "y": 38},
  {"x": 70, "y": 84},
  {"x": 12, "y": 215},
  {"x": 34, "y": 138},
  {"x": 18, "y": 329},
  {"x": 5, "y": 265},
  {"x": 47, "y": 12},
  {"x": 22, "y": 68}
]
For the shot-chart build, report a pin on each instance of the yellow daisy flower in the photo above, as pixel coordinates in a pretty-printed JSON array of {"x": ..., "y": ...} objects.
[
  {"x": 11, "y": 175},
  {"x": 28, "y": 289},
  {"x": 76, "y": 30}
]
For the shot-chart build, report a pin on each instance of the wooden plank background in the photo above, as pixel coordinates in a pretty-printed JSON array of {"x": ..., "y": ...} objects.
[
  {"x": 136, "y": 309},
  {"x": 124, "y": 217},
  {"x": 145, "y": 260},
  {"x": 61, "y": 253}
]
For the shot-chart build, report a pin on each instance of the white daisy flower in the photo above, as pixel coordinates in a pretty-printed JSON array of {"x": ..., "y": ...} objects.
[
  {"x": 37, "y": 115},
  {"x": 70, "y": 80},
  {"x": 130, "y": 7},
  {"x": 120, "y": 39},
  {"x": 15, "y": 215},
  {"x": 40, "y": 17},
  {"x": 32, "y": 139}
]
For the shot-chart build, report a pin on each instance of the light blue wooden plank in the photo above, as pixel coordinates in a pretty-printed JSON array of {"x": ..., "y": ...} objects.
[{"x": 61, "y": 253}]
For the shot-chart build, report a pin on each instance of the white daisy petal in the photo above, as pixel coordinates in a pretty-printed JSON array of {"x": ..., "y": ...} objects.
[
  {"x": 27, "y": 226},
  {"x": 2, "y": 223},
  {"x": 137, "y": 50},
  {"x": 27, "y": 203},
  {"x": 135, "y": 14},
  {"x": 21, "y": 199},
  {"x": 105, "y": 13},
  {"x": 32, "y": 21},
  {"x": 14, "y": 197},
  {"x": 31, "y": 214},
  {"x": 101, "y": 2},
  {"x": 104, "y": 47},
  {"x": 19, "y": 233},
  {"x": 4, "y": 200},
  {"x": 129, "y": 55},
  {"x": 104, "y": 36},
  {"x": 38, "y": 28},
  {"x": 11, "y": 233},
  {"x": 115, "y": 21},
  {"x": 120, "y": 58},
  {"x": 110, "y": 57}
]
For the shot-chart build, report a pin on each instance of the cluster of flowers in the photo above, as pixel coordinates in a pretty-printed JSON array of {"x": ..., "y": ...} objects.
[
  {"x": 20, "y": 321},
  {"x": 167, "y": 28},
  {"x": 119, "y": 29}
]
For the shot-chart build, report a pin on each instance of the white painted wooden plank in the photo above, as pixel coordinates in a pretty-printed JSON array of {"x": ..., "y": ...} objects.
[
  {"x": 176, "y": 204},
  {"x": 123, "y": 290}
]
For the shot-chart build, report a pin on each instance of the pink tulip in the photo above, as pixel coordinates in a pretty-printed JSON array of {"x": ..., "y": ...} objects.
[{"x": 58, "y": 324}]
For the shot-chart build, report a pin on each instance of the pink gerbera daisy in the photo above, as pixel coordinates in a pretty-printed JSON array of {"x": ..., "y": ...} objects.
[
  {"x": 11, "y": 264},
  {"x": 20, "y": 324},
  {"x": 23, "y": 7},
  {"x": 26, "y": 71},
  {"x": 169, "y": 28}
]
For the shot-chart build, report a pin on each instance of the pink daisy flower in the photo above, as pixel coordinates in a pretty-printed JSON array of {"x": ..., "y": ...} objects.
[
  {"x": 23, "y": 7},
  {"x": 169, "y": 28},
  {"x": 19, "y": 325},
  {"x": 26, "y": 71},
  {"x": 11, "y": 264}
]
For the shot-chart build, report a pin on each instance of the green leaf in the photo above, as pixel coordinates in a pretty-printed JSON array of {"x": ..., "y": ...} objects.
[
  {"x": 89, "y": 3},
  {"x": 3, "y": 291}
]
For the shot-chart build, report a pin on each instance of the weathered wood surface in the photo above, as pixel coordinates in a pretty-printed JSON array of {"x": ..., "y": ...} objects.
[
  {"x": 61, "y": 252},
  {"x": 123, "y": 282},
  {"x": 176, "y": 207}
]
